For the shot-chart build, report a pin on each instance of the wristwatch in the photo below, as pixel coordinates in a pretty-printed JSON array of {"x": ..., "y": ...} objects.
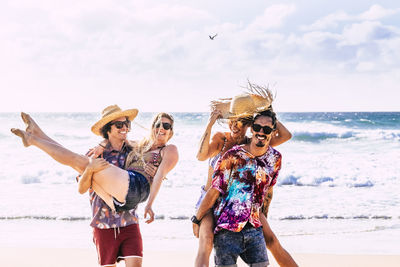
[{"x": 195, "y": 220}]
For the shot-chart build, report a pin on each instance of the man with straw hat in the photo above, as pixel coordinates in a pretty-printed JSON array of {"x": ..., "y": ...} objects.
[
  {"x": 237, "y": 112},
  {"x": 115, "y": 234}
]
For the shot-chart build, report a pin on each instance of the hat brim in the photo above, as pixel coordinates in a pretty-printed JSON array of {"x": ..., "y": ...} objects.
[
  {"x": 238, "y": 116},
  {"x": 230, "y": 115},
  {"x": 130, "y": 113},
  {"x": 223, "y": 106}
]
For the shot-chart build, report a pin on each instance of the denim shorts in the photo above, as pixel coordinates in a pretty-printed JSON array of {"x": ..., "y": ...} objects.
[
  {"x": 249, "y": 244},
  {"x": 139, "y": 190}
]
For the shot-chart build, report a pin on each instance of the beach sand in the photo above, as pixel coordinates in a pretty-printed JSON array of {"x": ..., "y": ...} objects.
[{"x": 68, "y": 257}]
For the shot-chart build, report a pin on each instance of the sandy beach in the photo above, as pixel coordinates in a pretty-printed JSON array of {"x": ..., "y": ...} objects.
[
  {"x": 65, "y": 244},
  {"x": 67, "y": 257}
]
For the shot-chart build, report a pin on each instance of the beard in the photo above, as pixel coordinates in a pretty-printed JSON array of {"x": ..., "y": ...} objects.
[{"x": 260, "y": 144}]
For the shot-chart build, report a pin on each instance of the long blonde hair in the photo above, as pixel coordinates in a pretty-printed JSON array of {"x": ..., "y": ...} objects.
[{"x": 145, "y": 145}]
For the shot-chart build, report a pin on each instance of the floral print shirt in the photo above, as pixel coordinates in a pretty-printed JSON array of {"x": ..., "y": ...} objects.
[
  {"x": 102, "y": 215},
  {"x": 243, "y": 181}
]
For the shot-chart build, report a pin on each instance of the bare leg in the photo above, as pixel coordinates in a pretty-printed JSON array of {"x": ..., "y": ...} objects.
[
  {"x": 280, "y": 254},
  {"x": 133, "y": 262},
  {"x": 54, "y": 150},
  {"x": 33, "y": 128},
  {"x": 112, "y": 180},
  {"x": 206, "y": 239},
  {"x": 108, "y": 199},
  {"x": 209, "y": 178}
]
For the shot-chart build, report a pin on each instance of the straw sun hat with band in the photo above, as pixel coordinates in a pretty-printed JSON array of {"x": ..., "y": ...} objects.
[
  {"x": 245, "y": 105},
  {"x": 111, "y": 113}
]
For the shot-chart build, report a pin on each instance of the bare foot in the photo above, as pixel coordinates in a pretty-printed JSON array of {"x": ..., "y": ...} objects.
[
  {"x": 24, "y": 136},
  {"x": 31, "y": 126}
]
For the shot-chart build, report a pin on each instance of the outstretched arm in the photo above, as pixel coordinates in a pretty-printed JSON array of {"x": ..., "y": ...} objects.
[
  {"x": 207, "y": 149},
  {"x": 169, "y": 160},
  {"x": 281, "y": 135}
]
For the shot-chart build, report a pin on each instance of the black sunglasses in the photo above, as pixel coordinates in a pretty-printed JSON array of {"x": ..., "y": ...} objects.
[
  {"x": 165, "y": 125},
  {"x": 258, "y": 127},
  {"x": 120, "y": 124}
]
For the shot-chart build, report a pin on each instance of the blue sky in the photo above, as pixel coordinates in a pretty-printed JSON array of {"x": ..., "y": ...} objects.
[{"x": 156, "y": 55}]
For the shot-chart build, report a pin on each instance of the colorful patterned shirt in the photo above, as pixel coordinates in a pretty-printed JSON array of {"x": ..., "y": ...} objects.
[
  {"x": 243, "y": 181},
  {"x": 103, "y": 216}
]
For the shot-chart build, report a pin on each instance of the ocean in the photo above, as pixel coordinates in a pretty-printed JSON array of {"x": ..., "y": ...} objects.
[{"x": 338, "y": 190}]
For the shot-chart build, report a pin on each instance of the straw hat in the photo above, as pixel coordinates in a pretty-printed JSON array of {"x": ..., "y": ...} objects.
[
  {"x": 111, "y": 113},
  {"x": 244, "y": 105}
]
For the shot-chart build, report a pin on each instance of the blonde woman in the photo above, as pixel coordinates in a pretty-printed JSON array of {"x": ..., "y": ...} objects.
[{"x": 238, "y": 111}]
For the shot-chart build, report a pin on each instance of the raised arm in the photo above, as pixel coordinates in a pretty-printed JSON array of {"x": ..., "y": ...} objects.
[
  {"x": 281, "y": 135},
  {"x": 170, "y": 157},
  {"x": 207, "y": 149}
]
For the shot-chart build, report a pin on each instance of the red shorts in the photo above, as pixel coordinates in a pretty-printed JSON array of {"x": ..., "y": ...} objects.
[{"x": 113, "y": 244}]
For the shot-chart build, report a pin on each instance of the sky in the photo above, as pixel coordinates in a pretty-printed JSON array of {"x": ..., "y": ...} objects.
[{"x": 314, "y": 55}]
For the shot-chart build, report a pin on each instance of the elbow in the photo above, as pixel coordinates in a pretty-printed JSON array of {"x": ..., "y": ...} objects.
[
  {"x": 201, "y": 157},
  {"x": 270, "y": 240},
  {"x": 82, "y": 190},
  {"x": 289, "y": 136}
]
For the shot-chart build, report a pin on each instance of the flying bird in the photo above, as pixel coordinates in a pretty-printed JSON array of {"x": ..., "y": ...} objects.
[{"x": 212, "y": 37}]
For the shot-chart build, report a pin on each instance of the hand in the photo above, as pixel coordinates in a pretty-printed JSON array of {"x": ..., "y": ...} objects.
[
  {"x": 196, "y": 229},
  {"x": 150, "y": 169},
  {"x": 95, "y": 152},
  {"x": 96, "y": 165},
  {"x": 149, "y": 211},
  {"x": 214, "y": 115}
]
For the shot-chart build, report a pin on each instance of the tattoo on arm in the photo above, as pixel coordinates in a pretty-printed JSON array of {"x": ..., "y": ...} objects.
[
  {"x": 266, "y": 203},
  {"x": 203, "y": 138}
]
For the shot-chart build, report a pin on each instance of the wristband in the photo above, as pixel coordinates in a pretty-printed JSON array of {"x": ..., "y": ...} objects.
[{"x": 195, "y": 220}]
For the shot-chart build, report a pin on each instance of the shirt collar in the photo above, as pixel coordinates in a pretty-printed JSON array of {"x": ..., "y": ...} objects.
[{"x": 110, "y": 149}]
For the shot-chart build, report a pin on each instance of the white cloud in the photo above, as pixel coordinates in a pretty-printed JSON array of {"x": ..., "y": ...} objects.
[
  {"x": 377, "y": 12},
  {"x": 165, "y": 13},
  {"x": 332, "y": 21},
  {"x": 360, "y": 33},
  {"x": 365, "y": 66},
  {"x": 272, "y": 18}
]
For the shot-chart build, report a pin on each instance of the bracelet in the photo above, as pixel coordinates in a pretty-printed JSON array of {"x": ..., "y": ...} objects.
[
  {"x": 102, "y": 145},
  {"x": 195, "y": 220}
]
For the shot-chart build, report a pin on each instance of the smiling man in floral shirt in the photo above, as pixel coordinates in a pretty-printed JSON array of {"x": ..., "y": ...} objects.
[{"x": 241, "y": 180}]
